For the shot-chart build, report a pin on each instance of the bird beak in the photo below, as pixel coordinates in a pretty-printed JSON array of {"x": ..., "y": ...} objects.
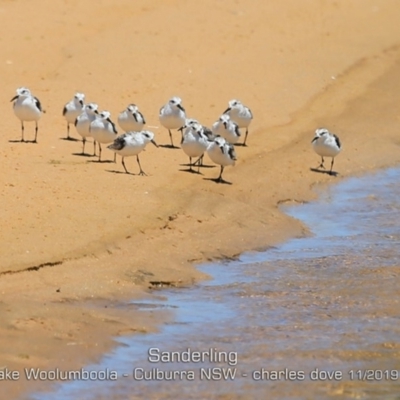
[
  {"x": 180, "y": 107},
  {"x": 96, "y": 112},
  {"x": 316, "y": 137},
  {"x": 227, "y": 110},
  {"x": 155, "y": 144},
  {"x": 14, "y": 98},
  {"x": 81, "y": 102}
]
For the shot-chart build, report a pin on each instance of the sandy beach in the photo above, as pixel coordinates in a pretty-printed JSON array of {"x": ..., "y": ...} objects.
[{"x": 80, "y": 237}]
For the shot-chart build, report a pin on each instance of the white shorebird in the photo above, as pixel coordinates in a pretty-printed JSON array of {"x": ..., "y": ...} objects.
[
  {"x": 82, "y": 123},
  {"x": 326, "y": 144},
  {"x": 131, "y": 144},
  {"x": 27, "y": 108},
  {"x": 191, "y": 121},
  {"x": 222, "y": 153},
  {"x": 72, "y": 110},
  {"x": 194, "y": 143},
  {"x": 131, "y": 119},
  {"x": 103, "y": 130},
  {"x": 172, "y": 116},
  {"x": 226, "y": 128},
  {"x": 240, "y": 114}
]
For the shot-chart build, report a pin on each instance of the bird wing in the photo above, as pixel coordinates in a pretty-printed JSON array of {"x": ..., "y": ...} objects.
[
  {"x": 337, "y": 140},
  {"x": 119, "y": 143},
  {"x": 237, "y": 131},
  {"x": 207, "y": 132},
  {"x": 37, "y": 102},
  {"x": 231, "y": 152},
  {"x": 113, "y": 125}
]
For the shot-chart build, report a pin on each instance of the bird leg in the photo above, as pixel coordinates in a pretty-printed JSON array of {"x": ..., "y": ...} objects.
[
  {"x": 123, "y": 164},
  {"x": 83, "y": 148},
  {"x": 190, "y": 165},
  {"x": 99, "y": 152},
  {"x": 199, "y": 161},
  {"x": 219, "y": 179},
  {"x": 36, "y": 131},
  {"x": 170, "y": 136},
  {"x": 322, "y": 163},
  {"x": 245, "y": 137},
  {"x": 141, "y": 171},
  {"x": 333, "y": 159},
  {"x": 22, "y": 131},
  {"x": 94, "y": 147}
]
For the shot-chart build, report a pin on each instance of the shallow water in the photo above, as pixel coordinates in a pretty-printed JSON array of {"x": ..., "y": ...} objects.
[{"x": 316, "y": 318}]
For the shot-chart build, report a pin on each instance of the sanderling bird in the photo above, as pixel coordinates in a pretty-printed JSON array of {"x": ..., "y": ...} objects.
[
  {"x": 326, "y": 144},
  {"x": 131, "y": 119},
  {"x": 206, "y": 131},
  {"x": 172, "y": 116},
  {"x": 226, "y": 128},
  {"x": 222, "y": 153},
  {"x": 103, "y": 130},
  {"x": 191, "y": 121},
  {"x": 194, "y": 143},
  {"x": 72, "y": 110},
  {"x": 240, "y": 114},
  {"x": 131, "y": 144},
  {"x": 27, "y": 108},
  {"x": 82, "y": 123}
]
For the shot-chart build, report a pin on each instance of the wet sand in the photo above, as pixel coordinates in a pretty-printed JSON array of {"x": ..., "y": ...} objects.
[
  {"x": 79, "y": 238},
  {"x": 314, "y": 317}
]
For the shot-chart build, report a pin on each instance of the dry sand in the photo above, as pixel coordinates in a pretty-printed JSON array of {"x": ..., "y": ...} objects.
[{"x": 77, "y": 238}]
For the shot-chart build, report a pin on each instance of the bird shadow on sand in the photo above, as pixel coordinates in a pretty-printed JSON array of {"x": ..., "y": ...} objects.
[
  {"x": 23, "y": 141},
  {"x": 195, "y": 165},
  {"x": 102, "y": 161},
  {"x": 83, "y": 155},
  {"x": 191, "y": 170},
  {"x": 114, "y": 171},
  {"x": 207, "y": 166},
  {"x": 168, "y": 146},
  {"x": 70, "y": 139},
  {"x": 324, "y": 171},
  {"x": 216, "y": 180}
]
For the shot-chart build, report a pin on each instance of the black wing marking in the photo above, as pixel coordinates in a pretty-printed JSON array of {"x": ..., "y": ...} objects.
[
  {"x": 207, "y": 132},
  {"x": 112, "y": 124},
  {"x": 251, "y": 114},
  {"x": 65, "y": 110},
  {"x": 119, "y": 143},
  {"x": 38, "y": 105},
  {"x": 237, "y": 131},
  {"x": 337, "y": 140},
  {"x": 141, "y": 116},
  {"x": 231, "y": 152}
]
